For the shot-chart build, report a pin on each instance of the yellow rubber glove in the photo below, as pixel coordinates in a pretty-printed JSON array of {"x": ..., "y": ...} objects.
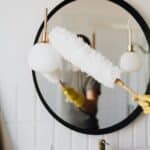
[
  {"x": 144, "y": 102},
  {"x": 73, "y": 96}
]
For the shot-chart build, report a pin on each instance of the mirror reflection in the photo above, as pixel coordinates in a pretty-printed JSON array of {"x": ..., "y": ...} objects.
[{"x": 110, "y": 32}]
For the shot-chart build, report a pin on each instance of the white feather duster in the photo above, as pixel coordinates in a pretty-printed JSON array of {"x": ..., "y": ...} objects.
[
  {"x": 53, "y": 77},
  {"x": 74, "y": 50}
]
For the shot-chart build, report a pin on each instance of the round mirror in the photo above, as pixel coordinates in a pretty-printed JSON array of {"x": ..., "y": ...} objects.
[{"x": 104, "y": 25}]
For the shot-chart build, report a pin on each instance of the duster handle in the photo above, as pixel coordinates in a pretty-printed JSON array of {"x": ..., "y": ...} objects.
[
  {"x": 45, "y": 32},
  {"x": 125, "y": 87}
]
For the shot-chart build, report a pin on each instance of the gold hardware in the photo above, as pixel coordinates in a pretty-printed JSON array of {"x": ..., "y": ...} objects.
[
  {"x": 102, "y": 144},
  {"x": 94, "y": 40},
  {"x": 45, "y": 32},
  {"x": 130, "y": 45},
  {"x": 125, "y": 87}
]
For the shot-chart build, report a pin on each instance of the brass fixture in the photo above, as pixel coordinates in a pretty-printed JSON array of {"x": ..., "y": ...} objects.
[
  {"x": 94, "y": 40},
  {"x": 102, "y": 144},
  {"x": 130, "y": 45},
  {"x": 125, "y": 87},
  {"x": 45, "y": 32}
]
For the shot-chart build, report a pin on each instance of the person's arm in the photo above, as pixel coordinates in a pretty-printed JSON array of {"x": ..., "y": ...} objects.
[
  {"x": 90, "y": 104},
  {"x": 91, "y": 93}
]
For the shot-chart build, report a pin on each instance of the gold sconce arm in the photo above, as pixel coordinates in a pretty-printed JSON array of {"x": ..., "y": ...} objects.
[
  {"x": 130, "y": 45},
  {"x": 94, "y": 39},
  {"x": 45, "y": 32}
]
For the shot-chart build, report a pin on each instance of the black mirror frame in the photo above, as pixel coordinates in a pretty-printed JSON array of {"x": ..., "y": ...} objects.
[{"x": 136, "y": 112}]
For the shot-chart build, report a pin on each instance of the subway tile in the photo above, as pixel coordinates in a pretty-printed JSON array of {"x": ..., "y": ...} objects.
[
  {"x": 25, "y": 135},
  {"x": 41, "y": 113},
  {"x": 62, "y": 137},
  {"x": 148, "y": 130},
  {"x": 112, "y": 139},
  {"x": 44, "y": 135},
  {"x": 93, "y": 141},
  {"x": 126, "y": 138},
  {"x": 8, "y": 102},
  {"x": 140, "y": 132},
  {"x": 11, "y": 129},
  {"x": 25, "y": 101},
  {"x": 79, "y": 141}
]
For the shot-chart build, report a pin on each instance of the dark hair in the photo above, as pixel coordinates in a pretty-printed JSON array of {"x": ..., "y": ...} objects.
[{"x": 85, "y": 39}]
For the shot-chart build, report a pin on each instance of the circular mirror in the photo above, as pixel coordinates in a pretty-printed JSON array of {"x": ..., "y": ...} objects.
[{"x": 104, "y": 25}]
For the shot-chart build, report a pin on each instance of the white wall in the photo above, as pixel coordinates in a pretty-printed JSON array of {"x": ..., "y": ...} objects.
[{"x": 30, "y": 126}]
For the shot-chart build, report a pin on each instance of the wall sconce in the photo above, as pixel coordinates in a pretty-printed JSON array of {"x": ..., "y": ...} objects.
[
  {"x": 130, "y": 61},
  {"x": 43, "y": 58}
]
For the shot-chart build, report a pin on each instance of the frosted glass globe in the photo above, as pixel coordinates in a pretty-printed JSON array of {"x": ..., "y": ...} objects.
[
  {"x": 43, "y": 58},
  {"x": 130, "y": 62}
]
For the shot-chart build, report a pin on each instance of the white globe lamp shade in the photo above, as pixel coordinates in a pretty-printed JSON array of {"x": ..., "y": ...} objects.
[
  {"x": 43, "y": 58},
  {"x": 130, "y": 62}
]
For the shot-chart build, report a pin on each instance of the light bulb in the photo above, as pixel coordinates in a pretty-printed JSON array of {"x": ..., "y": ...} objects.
[
  {"x": 130, "y": 61},
  {"x": 43, "y": 58}
]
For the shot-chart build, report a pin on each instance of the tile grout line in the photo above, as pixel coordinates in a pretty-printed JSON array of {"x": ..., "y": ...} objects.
[
  {"x": 71, "y": 139},
  {"x": 53, "y": 135},
  {"x": 87, "y": 142},
  {"x": 134, "y": 146},
  {"x": 146, "y": 131},
  {"x": 35, "y": 121},
  {"x": 132, "y": 134},
  {"x": 17, "y": 114}
]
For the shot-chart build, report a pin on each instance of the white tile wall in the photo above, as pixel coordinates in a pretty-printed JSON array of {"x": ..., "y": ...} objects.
[{"x": 29, "y": 125}]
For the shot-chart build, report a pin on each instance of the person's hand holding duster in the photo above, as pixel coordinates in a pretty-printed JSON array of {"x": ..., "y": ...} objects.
[{"x": 144, "y": 102}]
